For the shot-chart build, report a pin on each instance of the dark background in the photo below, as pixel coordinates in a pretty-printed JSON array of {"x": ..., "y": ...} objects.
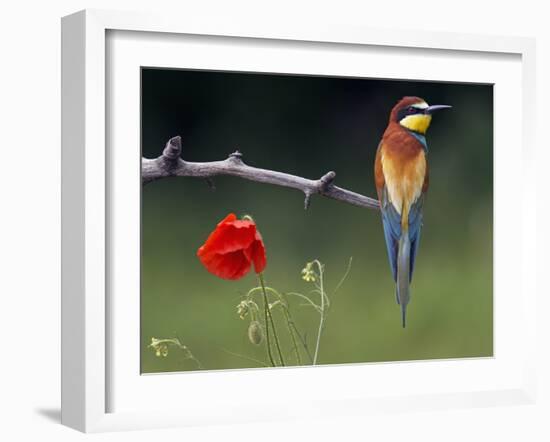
[{"x": 307, "y": 126}]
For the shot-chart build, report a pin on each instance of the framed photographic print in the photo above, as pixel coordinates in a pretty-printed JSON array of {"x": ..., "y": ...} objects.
[
  {"x": 244, "y": 209},
  {"x": 309, "y": 119}
]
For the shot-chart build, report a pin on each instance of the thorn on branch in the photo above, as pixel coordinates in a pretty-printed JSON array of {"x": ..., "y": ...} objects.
[
  {"x": 326, "y": 181},
  {"x": 236, "y": 157},
  {"x": 322, "y": 186},
  {"x": 172, "y": 151},
  {"x": 307, "y": 200}
]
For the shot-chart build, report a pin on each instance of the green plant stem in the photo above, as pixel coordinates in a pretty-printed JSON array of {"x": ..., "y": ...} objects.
[
  {"x": 291, "y": 332},
  {"x": 294, "y": 330},
  {"x": 267, "y": 339},
  {"x": 290, "y": 322},
  {"x": 262, "y": 363},
  {"x": 199, "y": 365},
  {"x": 268, "y": 314},
  {"x": 322, "y": 321}
]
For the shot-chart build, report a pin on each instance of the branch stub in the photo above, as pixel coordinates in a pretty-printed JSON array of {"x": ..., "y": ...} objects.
[
  {"x": 326, "y": 180},
  {"x": 172, "y": 150}
]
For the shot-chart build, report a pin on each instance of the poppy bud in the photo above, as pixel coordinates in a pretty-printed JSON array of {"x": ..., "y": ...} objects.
[
  {"x": 243, "y": 309},
  {"x": 255, "y": 333}
]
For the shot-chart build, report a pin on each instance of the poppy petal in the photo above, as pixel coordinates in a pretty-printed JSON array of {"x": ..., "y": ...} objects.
[
  {"x": 233, "y": 265},
  {"x": 258, "y": 254},
  {"x": 228, "y": 237},
  {"x": 229, "y": 218}
]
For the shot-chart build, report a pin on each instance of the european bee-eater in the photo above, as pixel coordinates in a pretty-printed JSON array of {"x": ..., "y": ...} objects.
[{"x": 401, "y": 178}]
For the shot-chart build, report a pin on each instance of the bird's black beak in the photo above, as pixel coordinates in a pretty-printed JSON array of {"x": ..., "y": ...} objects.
[{"x": 431, "y": 109}]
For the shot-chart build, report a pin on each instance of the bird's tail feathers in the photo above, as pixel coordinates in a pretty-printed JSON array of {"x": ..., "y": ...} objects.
[
  {"x": 403, "y": 273},
  {"x": 404, "y": 315}
]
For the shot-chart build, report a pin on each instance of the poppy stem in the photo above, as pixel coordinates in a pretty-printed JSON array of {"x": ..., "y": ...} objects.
[
  {"x": 291, "y": 332},
  {"x": 323, "y": 296},
  {"x": 268, "y": 314},
  {"x": 268, "y": 342}
]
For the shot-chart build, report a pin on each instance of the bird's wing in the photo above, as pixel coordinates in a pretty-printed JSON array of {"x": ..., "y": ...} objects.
[
  {"x": 391, "y": 221},
  {"x": 415, "y": 227}
]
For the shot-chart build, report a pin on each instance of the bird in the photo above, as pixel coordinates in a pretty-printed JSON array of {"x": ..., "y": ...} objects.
[{"x": 402, "y": 179}]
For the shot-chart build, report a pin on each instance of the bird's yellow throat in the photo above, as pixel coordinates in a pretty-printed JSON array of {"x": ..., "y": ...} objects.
[{"x": 417, "y": 123}]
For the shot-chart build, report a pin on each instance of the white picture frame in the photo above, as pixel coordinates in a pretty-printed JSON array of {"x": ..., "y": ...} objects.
[{"x": 87, "y": 356}]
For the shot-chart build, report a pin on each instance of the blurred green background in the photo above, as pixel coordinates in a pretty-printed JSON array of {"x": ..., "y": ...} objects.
[{"x": 307, "y": 126}]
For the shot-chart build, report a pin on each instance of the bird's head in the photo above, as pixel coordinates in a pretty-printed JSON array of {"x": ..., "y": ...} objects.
[{"x": 414, "y": 114}]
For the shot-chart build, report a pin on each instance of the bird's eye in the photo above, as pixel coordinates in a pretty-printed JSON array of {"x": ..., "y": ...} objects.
[{"x": 411, "y": 110}]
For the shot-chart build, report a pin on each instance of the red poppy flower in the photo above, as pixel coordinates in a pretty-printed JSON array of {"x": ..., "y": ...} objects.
[{"x": 232, "y": 248}]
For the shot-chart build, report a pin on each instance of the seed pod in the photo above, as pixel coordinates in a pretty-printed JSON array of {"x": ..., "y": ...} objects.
[{"x": 255, "y": 333}]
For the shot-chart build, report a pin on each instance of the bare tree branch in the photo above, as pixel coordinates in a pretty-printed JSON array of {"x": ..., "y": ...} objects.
[{"x": 170, "y": 164}]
